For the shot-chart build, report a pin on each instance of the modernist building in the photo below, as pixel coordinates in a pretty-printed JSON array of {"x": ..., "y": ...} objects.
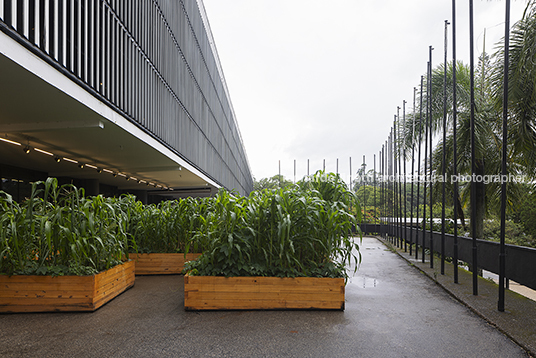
[{"x": 116, "y": 96}]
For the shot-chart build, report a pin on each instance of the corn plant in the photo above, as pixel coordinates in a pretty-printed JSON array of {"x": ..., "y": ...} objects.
[
  {"x": 168, "y": 227},
  {"x": 58, "y": 231},
  {"x": 303, "y": 230}
]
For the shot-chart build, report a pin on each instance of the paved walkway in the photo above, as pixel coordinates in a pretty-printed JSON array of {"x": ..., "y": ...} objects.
[
  {"x": 518, "y": 321},
  {"x": 392, "y": 310}
]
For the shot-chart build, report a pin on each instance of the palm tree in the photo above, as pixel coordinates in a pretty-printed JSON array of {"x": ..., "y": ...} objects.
[
  {"x": 488, "y": 143},
  {"x": 484, "y": 134},
  {"x": 521, "y": 88},
  {"x": 488, "y": 120}
]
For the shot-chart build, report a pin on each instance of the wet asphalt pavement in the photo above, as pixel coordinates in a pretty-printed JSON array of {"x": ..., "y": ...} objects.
[{"x": 392, "y": 310}]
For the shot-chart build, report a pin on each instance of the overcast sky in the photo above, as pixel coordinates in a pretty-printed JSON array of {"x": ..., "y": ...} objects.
[{"x": 321, "y": 80}]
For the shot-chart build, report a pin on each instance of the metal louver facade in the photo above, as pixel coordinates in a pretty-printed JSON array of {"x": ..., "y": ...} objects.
[{"x": 153, "y": 62}]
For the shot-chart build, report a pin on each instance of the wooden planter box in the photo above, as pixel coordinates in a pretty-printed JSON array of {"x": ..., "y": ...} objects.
[
  {"x": 161, "y": 264},
  {"x": 260, "y": 293},
  {"x": 21, "y": 293}
]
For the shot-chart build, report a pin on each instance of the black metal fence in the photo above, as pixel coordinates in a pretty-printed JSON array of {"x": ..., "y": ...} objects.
[{"x": 520, "y": 261}]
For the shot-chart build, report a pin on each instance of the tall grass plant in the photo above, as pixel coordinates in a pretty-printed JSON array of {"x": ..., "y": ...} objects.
[
  {"x": 303, "y": 230},
  {"x": 58, "y": 231}
]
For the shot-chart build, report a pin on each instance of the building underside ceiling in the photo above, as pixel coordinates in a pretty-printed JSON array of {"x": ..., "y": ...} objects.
[{"x": 38, "y": 115}]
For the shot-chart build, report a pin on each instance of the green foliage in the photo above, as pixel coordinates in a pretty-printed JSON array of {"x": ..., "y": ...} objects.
[
  {"x": 303, "y": 230},
  {"x": 168, "y": 227},
  {"x": 366, "y": 194},
  {"x": 277, "y": 181},
  {"x": 526, "y": 215},
  {"x": 372, "y": 215},
  {"x": 521, "y": 87},
  {"x": 57, "y": 231},
  {"x": 514, "y": 233}
]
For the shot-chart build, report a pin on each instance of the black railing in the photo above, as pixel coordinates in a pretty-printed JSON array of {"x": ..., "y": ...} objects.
[{"x": 521, "y": 261}]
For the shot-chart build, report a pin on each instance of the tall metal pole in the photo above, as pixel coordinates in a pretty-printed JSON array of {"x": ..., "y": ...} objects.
[
  {"x": 374, "y": 174},
  {"x": 473, "y": 150},
  {"x": 385, "y": 182},
  {"x": 425, "y": 161},
  {"x": 380, "y": 173},
  {"x": 419, "y": 176},
  {"x": 382, "y": 187},
  {"x": 385, "y": 188},
  {"x": 397, "y": 176},
  {"x": 395, "y": 151},
  {"x": 412, "y": 172},
  {"x": 350, "y": 173},
  {"x": 455, "y": 149},
  {"x": 444, "y": 154},
  {"x": 502, "y": 254},
  {"x": 405, "y": 193},
  {"x": 363, "y": 176},
  {"x": 431, "y": 156},
  {"x": 294, "y": 171},
  {"x": 280, "y": 173},
  {"x": 393, "y": 183}
]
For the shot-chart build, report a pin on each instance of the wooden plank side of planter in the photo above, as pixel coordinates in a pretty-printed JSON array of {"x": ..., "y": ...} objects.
[
  {"x": 262, "y": 305},
  {"x": 161, "y": 263},
  {"x": 28, "y": 293},
  {"x": 222, "y": 293},
  {"x": 22, "y": 293},
  {"x": 111, "y": 283}
]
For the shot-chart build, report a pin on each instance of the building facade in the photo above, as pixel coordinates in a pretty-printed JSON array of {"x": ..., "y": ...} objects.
[{"x": 116, "y": 96}]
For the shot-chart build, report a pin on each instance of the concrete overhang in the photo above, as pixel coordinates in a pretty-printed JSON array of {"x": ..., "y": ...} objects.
[{"x": 56, "y": 119}]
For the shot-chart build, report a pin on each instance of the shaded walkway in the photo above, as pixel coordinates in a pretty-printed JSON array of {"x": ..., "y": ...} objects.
[{"x": 392, "y": 310}]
